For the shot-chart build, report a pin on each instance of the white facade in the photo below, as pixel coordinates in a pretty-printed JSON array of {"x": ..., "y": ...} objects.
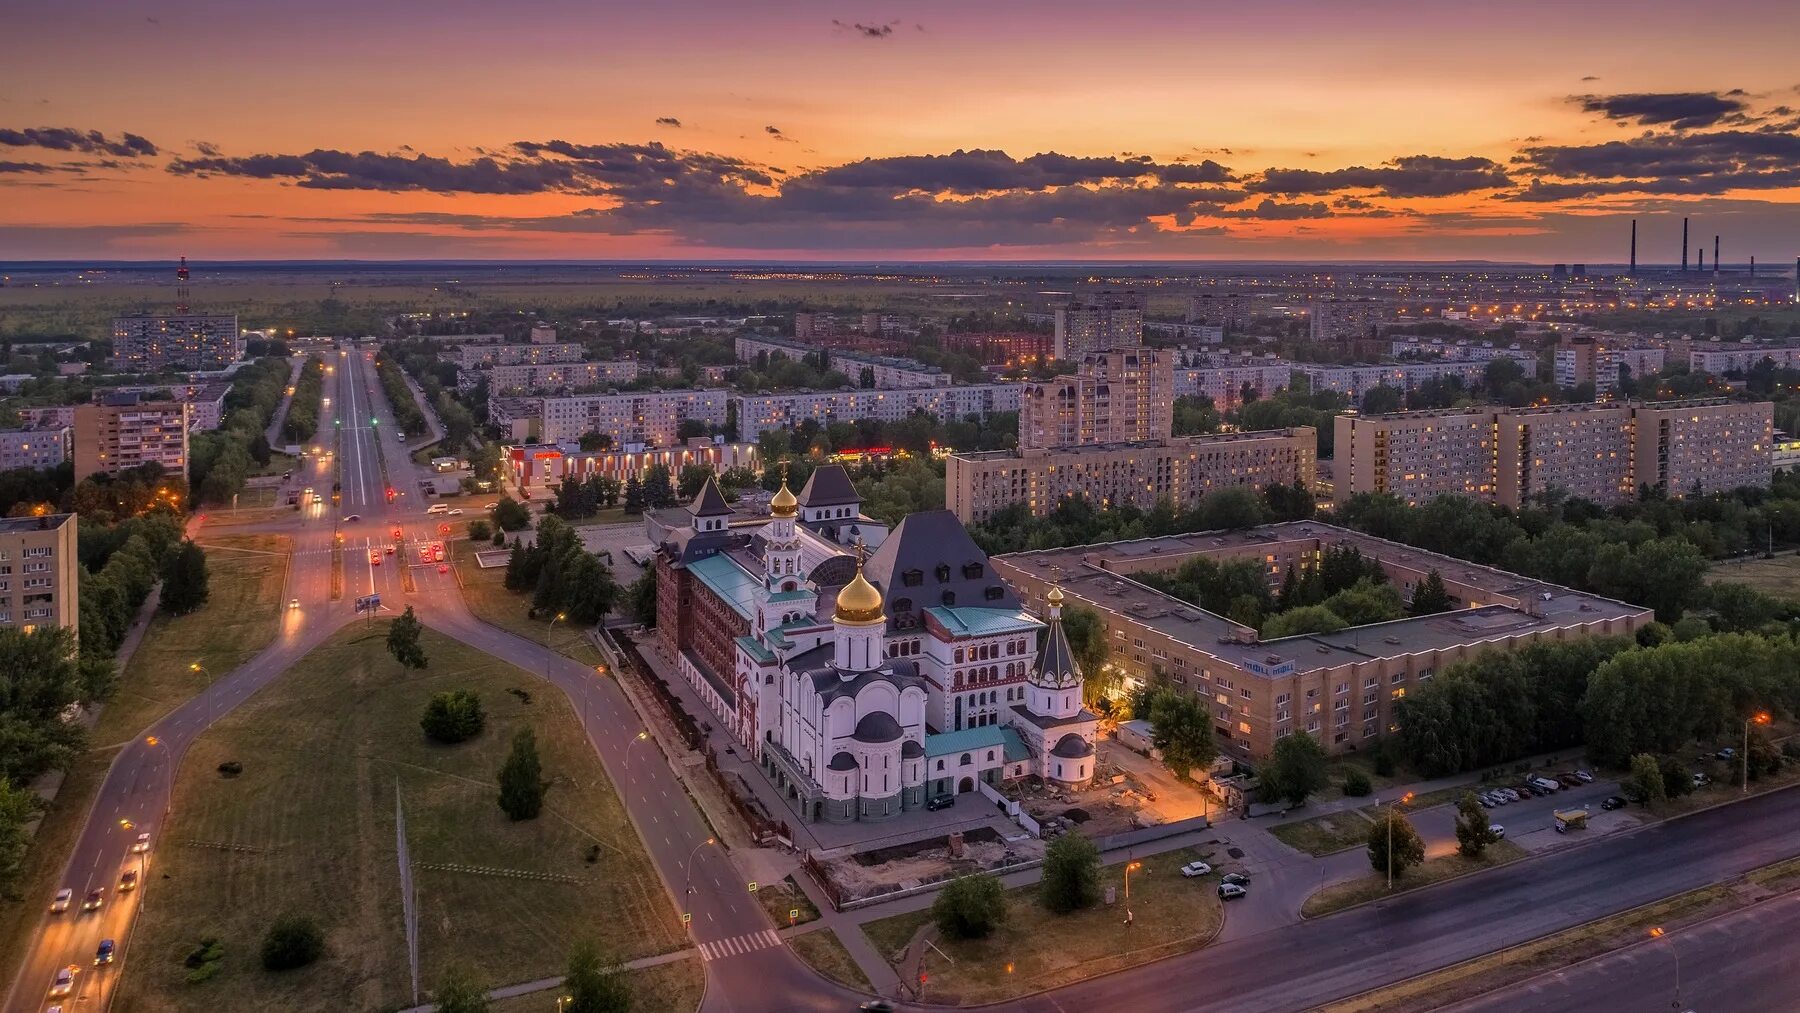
[
  {"x": 1355, "y": 381},
  {"x": 648, "y": 417},
  {"x": 760, "y": 413},
  {"x": 33, "y": 448},
  {"x": 1225, "y": 384},
  {"x": 534, "y": 378},
  {"x": 471, "y": 356},
  {"x": 1718, "y": 361}
]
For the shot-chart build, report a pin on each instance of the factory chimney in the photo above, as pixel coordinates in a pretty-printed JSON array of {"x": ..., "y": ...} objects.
[
  {"x": 1715, "y": 254},
  {"x": 1700, "y": 259},
  {"x": 1684, "y": 244},
  {"x": 1633, "y": 246},
  {"x": 1753, "y": 265}
]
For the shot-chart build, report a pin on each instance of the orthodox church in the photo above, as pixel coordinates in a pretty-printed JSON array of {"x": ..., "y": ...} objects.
[{"x": 865, "y": 684}]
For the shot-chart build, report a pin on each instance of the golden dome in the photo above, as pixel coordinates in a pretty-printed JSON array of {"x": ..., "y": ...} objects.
[
  {"x": 859, "y": 604},
  {"x": 1055, "y": 597},
  {"x": 784, "y": 503}
]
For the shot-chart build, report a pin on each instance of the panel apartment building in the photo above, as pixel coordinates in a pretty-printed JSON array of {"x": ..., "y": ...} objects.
[
  {"x": 39, "y": 577},
  {"x": 1340, "y": 688},
  {"x": 1583, "y": 359},
  {"x": 761, "y": 413},
  {"x": 1122, "y": 396},
  {"x": 538, "y": 378},
  {"x": 476, "y": 356},
  {"x": 651, "y": 418},
  {"x": 123, "y": 431},
  {"x": 150, "y": 342},
  {"x": 1105, "y": 321},
  {"x": 1604, "y": 452},
  {"x": 1338, "y": 320},
  {"x": 33, "y": 448}
]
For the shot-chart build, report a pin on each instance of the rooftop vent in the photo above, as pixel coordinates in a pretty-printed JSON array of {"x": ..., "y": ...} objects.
[{"x": 1390, "y": 640}]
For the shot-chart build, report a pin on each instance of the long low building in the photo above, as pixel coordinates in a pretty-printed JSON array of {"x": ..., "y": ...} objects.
[
  {"x": 549, "y": 377},
  {"x": 1180, "y": 470},
  {"x": 1604, "y": 451},
  {"x": 1225, "y": 385},
  {"x": 652, "y": 417},
  {"x": 1355, "y": 381},
  {"x": 33, "y": 448},
  {"x": 1340, "y": 688},
  {"x": 474, "y": 355},
  {"x": 761, "y": 413},
  {"x": 536, "y": 469}
]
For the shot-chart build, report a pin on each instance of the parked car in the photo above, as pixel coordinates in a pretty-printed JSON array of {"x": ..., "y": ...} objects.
[
  {"x": 456, "y": 511},
  {"x": 104, "y": 955},
  {"x": 1612, "y": 802},
  {"x": 1568, "y": 781},
  {"x": 1193, "y": 869},
  {"x": 1497, "y": 830},
  {"x": 61, "y": 901},
  {"x": 877, "y": 1006},
  {"x": 1584, "y": 777},
  {"x": 1727, "y": 753},
  {"x": 1239, "y": 878},
  {"x": 1232, "y": 891},
  {"x": 1487, "y": 800},
  {"x": 940, "y": 802},
  {"x": 352, "y": 518},
  {"x": 1701, "y": 780}
]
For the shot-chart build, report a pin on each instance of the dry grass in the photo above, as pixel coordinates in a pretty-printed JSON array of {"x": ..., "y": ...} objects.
[
  {"x": 1778, "y": 576},
  {"x": 487, "y": 596},
  {"x": 1325, "y": 835},
  {"x": 675, "y": 987},
  {"x": 778, "y": 899},
  {"x": 323, "y": 750},
  {"x": 1338, "y": 896},
  {"x": 825, "y": 953},
  {"x": 1035, "y": 949}
]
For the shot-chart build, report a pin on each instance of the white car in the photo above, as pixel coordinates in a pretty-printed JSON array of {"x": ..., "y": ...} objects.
[
  {"x": 1232, "y": 891},
  {"x": 141, "y": 845},
  {"x": 1193, "y": 869},
  {"x": 64, "y": 982},
  {"x": 455, "y": 512},
  {"x": 1584, "y": 777},
  {"x": 1498, "y": 831},
  {"x": 61, "y": 903}
]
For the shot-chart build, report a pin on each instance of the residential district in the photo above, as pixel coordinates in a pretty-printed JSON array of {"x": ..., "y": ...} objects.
[{"x": 1105, "y": 641}]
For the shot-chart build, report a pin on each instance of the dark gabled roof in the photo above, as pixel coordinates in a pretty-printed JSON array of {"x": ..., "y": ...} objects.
[
  {"x": 1045, "y": 721},
  {"x": 926, "y": 541},
  {"x": 709, "y": 502},
  {"x": 830, "y": 683},
  {"x": 829, "y": 485},
  {"x": 1072, "y": 747},
  {"x": 877, "y": 727}
]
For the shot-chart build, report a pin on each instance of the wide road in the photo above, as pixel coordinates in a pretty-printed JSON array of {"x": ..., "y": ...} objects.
[{"x": 1731, "y": 964}]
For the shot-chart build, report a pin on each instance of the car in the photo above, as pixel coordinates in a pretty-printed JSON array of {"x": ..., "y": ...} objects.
[
  {"x": 374, "y": 559},
  {"x": 1193, "y": 869},
  {"x": 293, "y": 603},
  {"x": 141, "y": 845},
  {"x": 61, "y": 902},
  {"x": 443, "y": 568},
  {"x": 104, "y": 955},
  {"x": 877, "y": 1006},
  {"x": 940, "y": 802},
  {"x": 94, "y": 899},
  {"x": 128, "y": 880},
  {"x": 1728, "y": 753},
  {"x": 1498, "y": 831},
  {"x": 64, "y": 982},
  {"x": 1486, "y": 800},
  {"x": 1612, "y": 802},
  {"x": 1701, "y": 780},
  {"x": 1584, "y": 777},
  {"x": 455, "y": 512},
  {"x": 1568, "y": 781},
  {"x": 1232, "y": 891},
  {"x": 390, "y": 550},
  {"x": 352, "y": 518},
  {"x": 1239, "y": 878}
]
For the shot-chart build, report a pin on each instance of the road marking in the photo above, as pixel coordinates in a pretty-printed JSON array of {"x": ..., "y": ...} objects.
[{"x": 734, "y": 946}]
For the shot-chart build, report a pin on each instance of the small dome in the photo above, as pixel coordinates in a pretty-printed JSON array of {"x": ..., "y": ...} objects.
[
  {"x": 1055, "y": 597},
  {"x": 784, "y": 503},
  {"x": 877, "y": 727},
  {"x": 1072, "y": 747},
  {"x": 842, "y": 762},
  {"x": 859, "y": 604},
  {"x": 911, "y": 750}
]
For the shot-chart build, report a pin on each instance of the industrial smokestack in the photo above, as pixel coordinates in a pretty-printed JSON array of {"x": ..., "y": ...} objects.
[
  {"x": 1753, "y": 265},
  {"x": 1715, "y": 254},
  {"x": 1684, "y": 244},
  {"x": 1634, "y": 246},
  {"x": 1700, "y": 259}
]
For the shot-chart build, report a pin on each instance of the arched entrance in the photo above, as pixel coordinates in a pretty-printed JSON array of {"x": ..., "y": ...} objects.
[{"x": 967, "y": 784}]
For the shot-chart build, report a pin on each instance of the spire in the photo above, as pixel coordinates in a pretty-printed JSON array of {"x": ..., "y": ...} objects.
[
  {"x": 709, "y": 502},
  {"x": 1056, "y": 662}
]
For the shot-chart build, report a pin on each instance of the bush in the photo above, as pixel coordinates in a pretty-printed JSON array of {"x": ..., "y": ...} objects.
[
  {"x": 521, "y": 779},
  {"x": 1384, "y": 764},
  {"x": 1356, "y": 784},
  {"x": 292, "y": 942},
  {"x": 453, "y": 717},
  {"x": 1071, "y": 874},
  {"x": 480, "y": 530},
  {"x": 202, "y": 973},
  {"x": 230, "y": 768},
  {"x": 970, "y": 907}
]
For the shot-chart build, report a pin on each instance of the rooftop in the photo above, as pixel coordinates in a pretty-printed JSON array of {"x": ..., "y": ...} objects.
[
  {"x": 1194, "y": 443},
  {"x": 49, "y": 522}
]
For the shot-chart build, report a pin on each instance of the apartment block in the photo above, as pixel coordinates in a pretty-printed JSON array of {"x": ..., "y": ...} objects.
[
  {"x": 1582, "y": 360},
  {"x": 1347, "y": 319},
  {"x": 1008, "y": 348},
  {"x": 1114, "y": 397},
  {"x": 1229, "y": 310},
  {"x": 1106, "y": 321},
  {"x": 1605, "y": 451},
  {"x": 123, "y": 431},
  {"x": 652, "y": 418},
  {"x": 205, "y": 398},
  {"x": 33, "y": 448},
  {"x": 476, "y": 356},
  {"x": 760, "y": 413},
  {"x": 1225, "y": 385},
  {"x": 1719, "y": 360},
  {"x": 147, "y": 343},
  {"x": 1340, "y": 688},
  {"x": 887, "y": 372},
  {"x": 538, "y": 378},
  {"x": 1357, "y": 380},
  {"x": 39, "y": 573},
  {"x": 1180, "y": 470}
]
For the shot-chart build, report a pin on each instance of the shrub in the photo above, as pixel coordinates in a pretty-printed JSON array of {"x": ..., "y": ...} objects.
[
  {"x": 1356, "y": 784},
  {"x": 480, "y": 530},
  {"x": 292, "y": 942},
  {"x": 970, "y": 907},
  {"x": 202, "y": 973},
  {"x": 1384, "y": 764},
  {"x": 231, "y": 768},
  {"x": 1071, "y": 874},
  {"x": 453, "y": 717}
]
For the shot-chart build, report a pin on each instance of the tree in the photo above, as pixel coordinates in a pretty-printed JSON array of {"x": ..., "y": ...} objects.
[
  {"x": 1431, "y": 597},
  {"x": 970, "y": 907},
  {"x": 1408, "y": 848},
  {"x": 511, "y": 514},
  {"x": 1473, "y": 831},
  {"x": 521, "y": 779},
  {"x": 1296, "y": 769},
  {"x": 403, "y": 640},
  {"x": 457, "y": 992},
  {"x": 516, "y": 564},
  {"x": 642, "y": 598},
  {"x": 1646, "y": 780},
  {"x": 592, "y": 441},
  {"x": 1305, "y": 619},
  {"x": 1087, "y": 639},
  {"x": 453, "y": 717},
  {"x": 634, "y": 494},
  {"x": 1182, "y": 728},
  {"x": 184, "y": 580},
  {"x": 1071, "y": 879},
  {"x": 18, "y": 808},
  {"x": 1357, "y": 784},
  {"x": 480, "y": 530},
  {"x": 1677, "y": 782},
  {"x": 1380, "y": 400},
  {"x": 1366, "y": 602},
  {"x": 292, "y": 942},
  {"x": 596, "y": 981}
]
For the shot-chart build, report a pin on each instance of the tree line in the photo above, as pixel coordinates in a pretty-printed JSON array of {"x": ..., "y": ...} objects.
[
  {"x": 220, "y": 461},
  {"x": 564, "y": 578},
  {"x": 302, "y": 421}
]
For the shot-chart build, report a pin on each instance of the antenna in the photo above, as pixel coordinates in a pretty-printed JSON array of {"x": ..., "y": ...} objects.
[{"x": 181, "y": 287}]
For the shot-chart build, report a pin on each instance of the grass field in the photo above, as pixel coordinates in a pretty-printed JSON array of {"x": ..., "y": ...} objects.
[
  {"x": 1778, "y": 576},
  {"x": 778, "y": 899},
  {"x": 245, "y": 575},
  {"x": 665, "y": 988},
  {"x": 1324, "y": 835},
  {"x": 488, "y": 598},
  {"x": 825, "y": 953},
  {"x": 312, "y": 817},
  {"x": 1338, "y": 896},
  {"x": 1035, "y": 949}
]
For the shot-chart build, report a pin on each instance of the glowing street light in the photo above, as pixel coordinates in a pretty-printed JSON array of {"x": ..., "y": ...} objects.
[{"x": 1761, "y": 718}]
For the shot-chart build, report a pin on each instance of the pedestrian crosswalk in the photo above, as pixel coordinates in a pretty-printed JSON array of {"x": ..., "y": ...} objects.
[{"x": 719, "y": 949}]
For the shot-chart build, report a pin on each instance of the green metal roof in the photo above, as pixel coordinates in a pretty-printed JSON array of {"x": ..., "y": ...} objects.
[
  {"x": 967, "y": 740},
  {"x": 729, "y": 581},
  {"x": 973, "y": 621},
  {"x": 1015, "y": 746},
  {"x": 756, "y": 650},
  {"x": 781, "y": 596}
]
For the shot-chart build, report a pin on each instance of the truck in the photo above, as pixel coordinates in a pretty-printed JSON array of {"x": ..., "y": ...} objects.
[{"x": 1570, "y": 819}]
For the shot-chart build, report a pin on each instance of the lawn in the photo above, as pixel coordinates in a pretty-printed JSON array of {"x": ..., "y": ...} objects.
[
  {"x": 674, "y": 987},
  {"x": 245, "y": 576},
  {"x": 825, "y": 953},
  {"x": 310, "y": 823},
  {"x": 487, "y": 596},
  {"x": 1426, "y": 800},
  {"x": 780, "y": 898},
  {"x": 1338, "y": 896},
  {"x": 1325, "y": 835},
  {"x": 1778, "y": 576},
  {"x": 1034, "y": 949}
]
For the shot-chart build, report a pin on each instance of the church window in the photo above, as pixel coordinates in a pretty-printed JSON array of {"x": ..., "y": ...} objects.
[
  {"x": 994, "y": 593},
  {"x": 971, "y": 571},
  {"x": 967, "y": 759},
  {"x": 959, "y": 655},
  {"x": 902, "y": 604},
  {"x": 940, "y": 765},
  {"x": 990, "y": 756},
  {"x": 949, "y": 598},
  {"x": 912, "y": 578},
  {"x": 943, "y": 573}
]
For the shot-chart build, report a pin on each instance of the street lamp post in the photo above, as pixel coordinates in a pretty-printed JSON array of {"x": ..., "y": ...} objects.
[
  {"x": 635, "y": 739},
  {"x": 687, "y": 874},
  {"x": 1658, "y": 933},
  {"x": 559, "y": 616},
  {"x": 1129, "y": 868},
  {"x": 199, "y": 669},
  {"x": 1761, "y": 719},
  {"x": 1408, "y": 797}
]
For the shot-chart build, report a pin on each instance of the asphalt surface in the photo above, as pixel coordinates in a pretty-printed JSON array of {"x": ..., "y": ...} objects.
[{"x": 1735, "y": 963}]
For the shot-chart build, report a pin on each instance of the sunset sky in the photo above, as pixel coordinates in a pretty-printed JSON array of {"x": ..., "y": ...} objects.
[{"x": 1298, "y": 130}]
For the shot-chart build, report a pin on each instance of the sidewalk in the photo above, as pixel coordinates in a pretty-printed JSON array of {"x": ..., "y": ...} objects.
[
  {"x": 273, "y": 433},
  {"x": 435, "y": 427},
  {"x": 545, "y": 984}
]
